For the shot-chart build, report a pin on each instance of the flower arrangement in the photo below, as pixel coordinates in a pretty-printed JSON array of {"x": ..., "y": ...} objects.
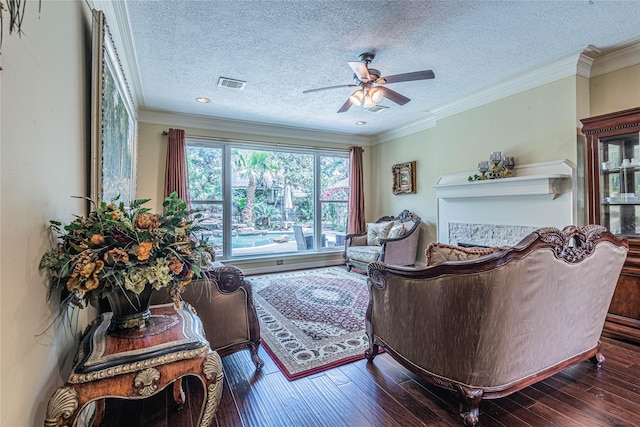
[{"x": 117, "y": 248}]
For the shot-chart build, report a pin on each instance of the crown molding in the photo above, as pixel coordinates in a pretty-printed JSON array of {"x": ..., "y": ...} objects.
[
  {"x": 564, "y": 67},
  {"x": 618, "y": 59},
  {"x": 243, "y": 127},
  {"x": 579, "y": 63},
  {"x": 582, "y": 63},
  {"x": 427, "y": 122},
  {"x": 118, "y": 22},
  {"x": 586, "y": 60}
]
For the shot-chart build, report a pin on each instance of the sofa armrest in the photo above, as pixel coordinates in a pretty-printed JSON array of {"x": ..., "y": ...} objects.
[
  {"x": 223, "y": 300},
  {"x": 229, "y": 278},
  {"x": 359, "y": 239},
  {"x": 401, "y": 250},
  {"x": 356, "y": 240}
]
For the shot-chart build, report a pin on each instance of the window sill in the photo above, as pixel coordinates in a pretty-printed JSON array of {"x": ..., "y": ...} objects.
[{"x": 286, "y": 261}]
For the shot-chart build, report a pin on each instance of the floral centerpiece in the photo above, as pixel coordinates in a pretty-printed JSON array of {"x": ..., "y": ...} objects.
[{"x": 126, "y": 252}]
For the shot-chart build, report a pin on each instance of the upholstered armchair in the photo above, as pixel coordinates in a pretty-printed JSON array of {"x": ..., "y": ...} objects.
[
  {"x": 224, "y": 303},
  {"x": 392, "y": 240},
  {"x": 494, "y": 321}
]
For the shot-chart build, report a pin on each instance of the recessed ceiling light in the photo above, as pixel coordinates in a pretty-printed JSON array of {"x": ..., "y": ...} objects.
[
  {"x": 361, "y": 123},
  {"x": 203, "y": 100}
]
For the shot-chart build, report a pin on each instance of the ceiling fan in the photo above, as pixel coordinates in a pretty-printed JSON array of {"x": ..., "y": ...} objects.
[{"x": 371, "y": 85}]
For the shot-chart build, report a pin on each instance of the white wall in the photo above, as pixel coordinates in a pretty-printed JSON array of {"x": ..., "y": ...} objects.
[{"x": 43, "y": 148}]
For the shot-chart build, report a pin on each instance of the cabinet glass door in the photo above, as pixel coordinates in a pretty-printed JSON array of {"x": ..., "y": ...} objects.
[{"x": 620, "y": 183}]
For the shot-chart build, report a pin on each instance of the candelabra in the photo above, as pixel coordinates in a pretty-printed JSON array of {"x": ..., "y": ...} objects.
[{"x": 493, "y": 169}]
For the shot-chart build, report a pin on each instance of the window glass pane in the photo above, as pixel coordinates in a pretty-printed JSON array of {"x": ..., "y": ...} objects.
[
  {"x": 213, "y": 224},
  {"x": 334, "y": 178},
  {"x": 334, "y": 222},
  {"x": 272, "y": 205},
  {"x": 204, "y": 165},
  {"x": 272, "y": 192}
]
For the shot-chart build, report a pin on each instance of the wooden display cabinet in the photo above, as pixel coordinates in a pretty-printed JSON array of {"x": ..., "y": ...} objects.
[{"x": 613, "y": 193}]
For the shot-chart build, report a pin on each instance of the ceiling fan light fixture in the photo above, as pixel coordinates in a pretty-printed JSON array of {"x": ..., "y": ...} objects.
[
  {"x": 376, "y": 95},
  {"x": 356, "y": 97},
  {"x": 368, "y": 103}
]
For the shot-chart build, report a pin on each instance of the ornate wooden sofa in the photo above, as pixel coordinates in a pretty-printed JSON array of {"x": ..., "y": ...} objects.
[
  {"x": 497, "y": 322},
  {"x": 393, "y": 240}
]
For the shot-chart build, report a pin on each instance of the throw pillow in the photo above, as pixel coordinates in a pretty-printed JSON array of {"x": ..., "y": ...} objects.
[
  {"x": 441, "y": 252},
  {"x": 396, "y": 231},
  {"x": 377, "y": 231}
]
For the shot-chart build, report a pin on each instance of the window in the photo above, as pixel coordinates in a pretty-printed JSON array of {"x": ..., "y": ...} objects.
[{"x": 259, "y": 201}]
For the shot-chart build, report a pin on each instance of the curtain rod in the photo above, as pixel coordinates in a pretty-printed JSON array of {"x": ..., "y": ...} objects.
[{"x": 250, "y": 142}]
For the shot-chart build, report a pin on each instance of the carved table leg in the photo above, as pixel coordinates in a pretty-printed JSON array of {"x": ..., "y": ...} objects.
[
  {"x": 212, "y": 370},
  {"x": 62, "y": 407},
  {"x": 469, "y": 404}
]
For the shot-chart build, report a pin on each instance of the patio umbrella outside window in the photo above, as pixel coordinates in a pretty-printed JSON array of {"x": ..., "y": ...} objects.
[{"x": 288, "y": 204}]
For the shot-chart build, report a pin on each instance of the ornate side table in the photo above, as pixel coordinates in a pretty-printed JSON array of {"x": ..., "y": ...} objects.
[{"x": 139, "y": 363}]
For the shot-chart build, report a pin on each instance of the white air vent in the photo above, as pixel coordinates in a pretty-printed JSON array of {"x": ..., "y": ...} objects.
[
  {"x": 231, "y": 83},
  {"x": 376, "y": 108}
]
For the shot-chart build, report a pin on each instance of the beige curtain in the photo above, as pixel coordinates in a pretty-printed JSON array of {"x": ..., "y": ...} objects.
[
  {"x": 175, "y": 177},
  {"x": 356, "y": 222}
]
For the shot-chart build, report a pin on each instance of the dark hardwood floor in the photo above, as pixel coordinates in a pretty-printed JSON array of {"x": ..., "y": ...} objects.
[{"x": 383, "y": 393}]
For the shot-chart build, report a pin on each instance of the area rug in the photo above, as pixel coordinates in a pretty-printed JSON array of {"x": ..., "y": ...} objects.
[{"x": 312, "y": 320}]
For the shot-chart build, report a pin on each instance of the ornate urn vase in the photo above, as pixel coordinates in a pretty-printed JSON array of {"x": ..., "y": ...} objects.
[{"x": 130, "y": 310}]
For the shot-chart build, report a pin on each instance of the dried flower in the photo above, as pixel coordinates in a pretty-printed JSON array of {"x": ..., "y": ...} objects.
[
  {"x": 97, "y": 239},
  {"x": 116, "y": 248},
  {"x": 116, "y": 256},
  {"x": 147, "y": 222},
  {"x": 175, "y": 266},
  {"x": 143, "y": 250}
]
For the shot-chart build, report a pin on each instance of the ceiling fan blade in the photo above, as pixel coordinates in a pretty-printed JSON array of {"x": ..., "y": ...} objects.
[
  {"x": 360, "y": 70},
  {"x": 407, "y": 77},
  {"x": 345, "y": 106},
  {"x": 394, "y": 96},
  {"x": 328, "y": 87}
]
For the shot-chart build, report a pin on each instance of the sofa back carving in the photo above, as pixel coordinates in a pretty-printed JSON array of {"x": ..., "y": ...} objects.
[{"x": 489, "y": 326}]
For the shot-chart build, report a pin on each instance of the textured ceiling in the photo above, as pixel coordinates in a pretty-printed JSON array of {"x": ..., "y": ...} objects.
[{"x": 281, "y": 48}]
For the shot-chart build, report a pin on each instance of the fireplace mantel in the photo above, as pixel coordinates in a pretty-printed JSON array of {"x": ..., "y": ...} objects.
[
  {"x": 534, "y": 185},
  {"x": 537, "y": 195}
]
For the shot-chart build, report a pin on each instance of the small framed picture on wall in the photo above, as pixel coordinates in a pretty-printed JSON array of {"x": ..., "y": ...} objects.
[{"x": 404, "y": 178}]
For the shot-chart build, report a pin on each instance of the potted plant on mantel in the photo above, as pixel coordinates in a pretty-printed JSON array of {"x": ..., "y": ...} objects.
[{"x": 123, "y": 254}]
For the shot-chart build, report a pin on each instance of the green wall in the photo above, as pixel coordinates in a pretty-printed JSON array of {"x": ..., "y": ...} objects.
[
  {"x": 536, "y": 125},
  {"x": 615, "y": 91}
]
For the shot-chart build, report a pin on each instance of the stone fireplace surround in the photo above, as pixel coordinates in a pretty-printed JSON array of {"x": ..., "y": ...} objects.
[{"x": 502, "y": 212}]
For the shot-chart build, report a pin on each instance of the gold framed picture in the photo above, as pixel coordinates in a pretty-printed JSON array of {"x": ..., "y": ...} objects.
[{"x": 404, "y": 178}]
